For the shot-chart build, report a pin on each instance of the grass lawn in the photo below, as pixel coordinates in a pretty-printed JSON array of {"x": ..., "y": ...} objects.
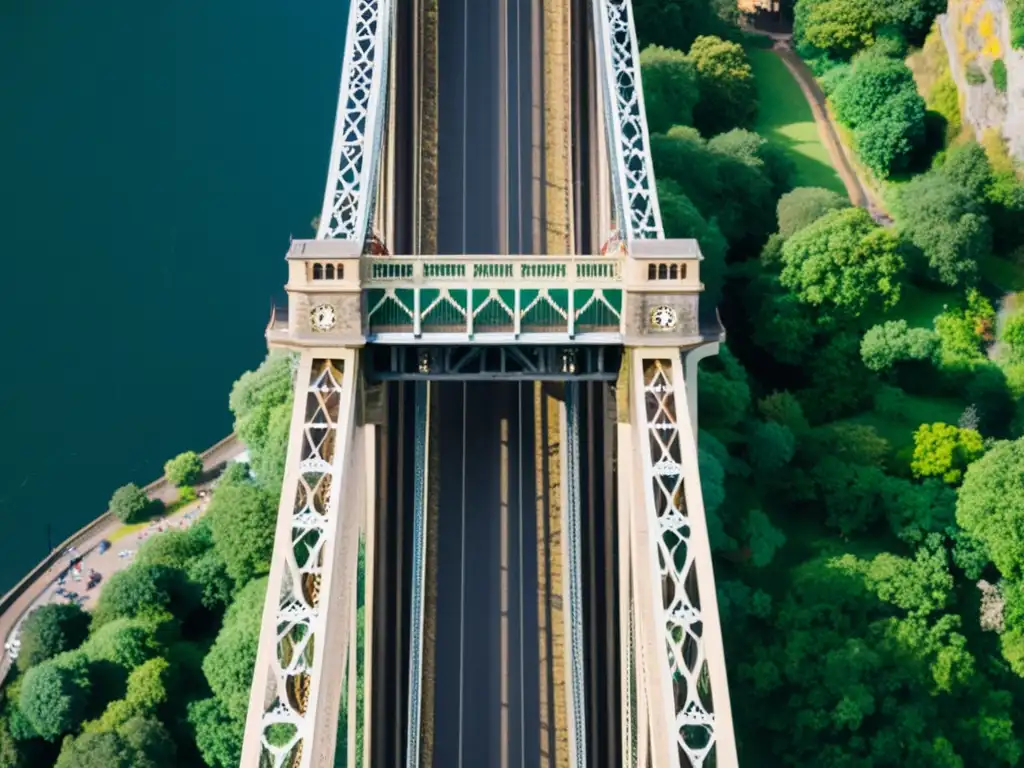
[
  {"x": 899, "y": 431},
  {"x": 919, "y": 306},
  {"x": 784, "y": 118}
]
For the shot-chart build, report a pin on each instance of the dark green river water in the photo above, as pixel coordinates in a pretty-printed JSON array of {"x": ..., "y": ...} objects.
[{"x": 154, "y": 159}]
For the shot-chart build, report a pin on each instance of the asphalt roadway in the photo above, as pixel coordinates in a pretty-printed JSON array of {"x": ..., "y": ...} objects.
[{"x": 487, "y": 665}]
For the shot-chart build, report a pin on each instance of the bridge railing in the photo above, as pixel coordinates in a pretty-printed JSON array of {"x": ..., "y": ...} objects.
[{"x": 486, "y": 271}]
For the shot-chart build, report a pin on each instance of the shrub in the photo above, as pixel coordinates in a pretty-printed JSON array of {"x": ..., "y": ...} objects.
[
  {"x": 945, "y": 99},
  {"x": 999, "y": 75},
  {"x": 975, "y": 75}
]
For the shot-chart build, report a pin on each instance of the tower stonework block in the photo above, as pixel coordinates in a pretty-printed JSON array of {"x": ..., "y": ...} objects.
[{"x": 662, "y": 282}]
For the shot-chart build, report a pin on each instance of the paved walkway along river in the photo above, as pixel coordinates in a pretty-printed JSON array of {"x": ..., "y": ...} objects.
[{"x": 42, "y": 586}]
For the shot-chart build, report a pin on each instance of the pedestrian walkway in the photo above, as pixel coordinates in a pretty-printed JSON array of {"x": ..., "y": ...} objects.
[{"x": 43, "y": 586}]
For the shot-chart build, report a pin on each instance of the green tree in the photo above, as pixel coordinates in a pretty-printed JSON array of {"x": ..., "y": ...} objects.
[
  {"x": 770, "y": 447},
  {"x": 184, "y": 469},
  {"x": 944, "y": 451},
  {"x": 55, "y": 694},
  {"x": 173, "y": 549},
  {"x": 759, "y": 154},
  {"x": 919, "y": 585},
  {"x": 967, "y": 166},
  {"x": 1013, "y": 337},
  {"x": 672, "y": 22},
  {"x": 96, "y": 750},
  {"x": 210, "y": 572},
  {"x": 805, "y": 205},
  {"x": 840, "y": 382},
  {"x": 144, "y": 591},
  {"x": 844, "y": 260},
  {"x": 682, "y": 155},
  {"x": 861, "y": 97},
  {"x": 1006, "y": 211},
  {"x": 243, "y": 519},
  {"x": 838, "y": 28},
  {"x": 146, "y": 691},
  {"x": 913, "y": 510},
  {"x": 783, "y": 325},
  {"x": 751, "y": 176},
  {"x": 851, "y": 494},
  {"x": 889, "y": 144},
  {"x": 763, "y": 538},
  {"x": 260, "y": 400},
  {"x": 963, "y": 331},
  {"x": 124, "y": 642},
  {"x": 50, "y": 630},
  {"x": 217, "y": 735},
  {"x": 139, "y": 743},
  {"x": 723, "y": 401},
  {"x": 892, "y": 342},
  {"x": 151, "y": 743},
  {"x": 129, "y": 503},
  {"x": 229, "y": 664},
  {"x": 990, "y": 506},
  {"x": 670, "y": 87},
  {"x": 785, "y": 409},
  {"x": 947, "y": 224},
  {"x": 725, "y": 82}
]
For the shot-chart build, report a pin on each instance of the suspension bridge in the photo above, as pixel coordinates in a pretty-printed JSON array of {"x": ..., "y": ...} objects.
[{"x": 491, "y": 547}]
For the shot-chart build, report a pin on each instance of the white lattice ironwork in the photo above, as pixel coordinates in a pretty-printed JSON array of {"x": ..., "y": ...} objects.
[
  {"x": 636, "y": 198},
  {"x": 359, "y": 124},
  {"x": 685, "y": 604},
  {"x": 293, "y": 643}
]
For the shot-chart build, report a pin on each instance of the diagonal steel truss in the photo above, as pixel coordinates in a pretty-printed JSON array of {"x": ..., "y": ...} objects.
[
  {"x": 686, "y": 606},
  {"x": 296, "y": 639},
  {"x": 359, "y": 124},
  {"x": 636, "y": 197}
]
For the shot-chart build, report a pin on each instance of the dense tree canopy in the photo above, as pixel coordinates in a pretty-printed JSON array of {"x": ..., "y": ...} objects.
[
  {"x": 670, "y": 88},
  {"x": 949, "y": 226},
  {"x": 844, "y": 261},
  {"x": 725, "y": 82},
  {"x": 261, "y": 402},
  {"x": 805, "y": 205},
  {"x": 55, "y": 694},
  {"x": 990, "y": 505},
  {"x": 838, "y": 28},
  {"x": 242, "y": 520},
  {"x": 50, "y": 630}
]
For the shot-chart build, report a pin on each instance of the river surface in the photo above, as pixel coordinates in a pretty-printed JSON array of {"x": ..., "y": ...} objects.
[{"x": 154, "y": 159}]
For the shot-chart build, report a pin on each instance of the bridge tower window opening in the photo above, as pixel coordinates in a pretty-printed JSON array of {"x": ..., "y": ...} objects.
[
  {"x": 328, "y": 271},
  {"x": 666, "y": 271}
]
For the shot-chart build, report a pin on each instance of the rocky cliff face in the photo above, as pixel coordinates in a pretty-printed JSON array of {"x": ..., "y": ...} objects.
[{"x": 989, "y": 74}]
